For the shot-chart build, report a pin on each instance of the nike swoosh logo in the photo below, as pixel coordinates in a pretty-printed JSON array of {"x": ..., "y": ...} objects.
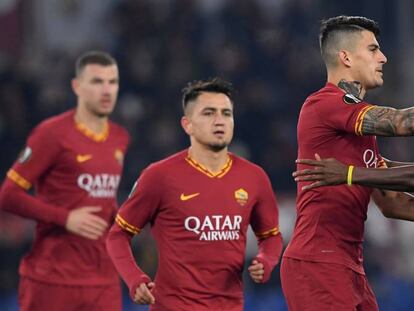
[
  {"x": 83, "y": 157},
  {"x": 184, "y": 197}
]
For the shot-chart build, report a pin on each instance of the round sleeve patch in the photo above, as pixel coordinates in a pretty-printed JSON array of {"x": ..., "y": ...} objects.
[
  {"x": 350, "y": 99},
  {"x": 25, "y": 155}
]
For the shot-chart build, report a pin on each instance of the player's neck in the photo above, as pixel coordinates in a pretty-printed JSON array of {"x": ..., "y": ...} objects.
[
  {"x": 339, "y": 77},
  {"x": 211, "y": 160},
  {"x": 93, "y": 122}
]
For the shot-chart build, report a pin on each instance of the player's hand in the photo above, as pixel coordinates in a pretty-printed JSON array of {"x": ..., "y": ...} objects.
[
  {"x": 326, "y": 172},
  {"x": 143, "y": 294},
  {"x": 82, "y": 221},
  {"x": 256, "y": 271}
]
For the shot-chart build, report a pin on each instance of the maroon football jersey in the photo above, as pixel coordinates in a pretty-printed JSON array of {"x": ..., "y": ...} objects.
[
  {"x": 70, "y": 167},
  {"x": 330, "y": 220},
  {"x": 199, "y": 221}
]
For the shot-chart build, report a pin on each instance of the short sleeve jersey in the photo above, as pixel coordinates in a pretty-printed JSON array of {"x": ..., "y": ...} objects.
[
  {"x": 71, "y": 167},
  {"x": 330, "y": 220},
  {"x": 199, "y": 221}
]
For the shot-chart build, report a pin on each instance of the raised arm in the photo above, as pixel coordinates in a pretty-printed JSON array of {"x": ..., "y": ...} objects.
[{"x": 386, "y": 121}]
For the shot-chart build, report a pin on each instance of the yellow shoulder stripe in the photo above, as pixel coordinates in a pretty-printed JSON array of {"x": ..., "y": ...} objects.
[
  {"x": 360, "y": 119},
  {"x": 18, "y": 179}
]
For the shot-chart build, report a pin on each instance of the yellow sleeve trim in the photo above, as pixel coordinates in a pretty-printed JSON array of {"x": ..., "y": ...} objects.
[
  {"x": 268, "y": 233},
  {"x": 126, "y": 226},
  {"x": 360, "y": 119},
  {"x": 18, "y": 179}
]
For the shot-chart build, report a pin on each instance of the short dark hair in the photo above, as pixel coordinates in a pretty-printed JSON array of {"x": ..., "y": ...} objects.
[
  {"x": 93, "y": 57},
  {"x": 212, "y": 85},
  {"x": 334, "y": 30}
]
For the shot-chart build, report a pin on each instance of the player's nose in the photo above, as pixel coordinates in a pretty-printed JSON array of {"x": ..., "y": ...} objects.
[{"x": 383, "y": 59}]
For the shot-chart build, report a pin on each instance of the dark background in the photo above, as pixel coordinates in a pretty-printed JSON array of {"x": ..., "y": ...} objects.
[{"x": 267, "y": 48}]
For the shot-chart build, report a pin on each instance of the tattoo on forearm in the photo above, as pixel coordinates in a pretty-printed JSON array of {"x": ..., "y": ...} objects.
[
  {"x": 385, "y": 121},
  {"x": 351, "y": 87}
]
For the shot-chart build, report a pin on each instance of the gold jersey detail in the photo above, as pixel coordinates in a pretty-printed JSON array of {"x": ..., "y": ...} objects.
[
  {"x": 206, "y": 171},
  {"x": 187, "y": 197},
  {"x": 382, "y": 164},
  {"x": 241, "y": 196},
  {"x": 126, "y": 226},
  {"x": 360, "y": 119},
  {"x": 119, "y": 156},
  {"x": 83, "y": 157},
  {"x": 18, "y": 179},
  {"x": 101, "y": 137},
  {"x": 268, "y": 233}
]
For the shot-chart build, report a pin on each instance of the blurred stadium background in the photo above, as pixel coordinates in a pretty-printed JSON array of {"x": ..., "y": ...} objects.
[{"x": 267, "y": 48}]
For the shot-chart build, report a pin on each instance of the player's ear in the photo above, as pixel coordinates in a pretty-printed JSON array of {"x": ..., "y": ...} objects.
[
  {"x": 186, "y": 124},
  {"x": 345, "y": 58},
  {"x": 75, "y": 86}
]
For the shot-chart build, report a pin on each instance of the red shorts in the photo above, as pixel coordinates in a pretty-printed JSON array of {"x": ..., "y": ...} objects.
[
  {"x": 39, "y": 296},
  {"x": 325, "y": 286}
]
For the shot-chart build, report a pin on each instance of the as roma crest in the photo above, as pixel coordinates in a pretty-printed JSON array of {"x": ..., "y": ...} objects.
[
  {"x": 119, "y": 156},
  {"x": 241, "y": 196}
]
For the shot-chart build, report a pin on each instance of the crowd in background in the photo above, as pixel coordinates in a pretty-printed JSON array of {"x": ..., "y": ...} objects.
[{"x": 267, "y": 48}]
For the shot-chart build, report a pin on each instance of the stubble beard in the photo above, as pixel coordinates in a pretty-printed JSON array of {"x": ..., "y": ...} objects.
[
  {"x": 218, "y": 147},
  {"x": 100, "y": 114}
]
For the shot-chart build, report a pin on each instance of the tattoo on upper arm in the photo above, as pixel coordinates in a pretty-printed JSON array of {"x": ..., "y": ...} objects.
[
  {"x": 386, "y": 121},
  {"x": 382, "y": 121},
  {"x": 379, "y": 121}
]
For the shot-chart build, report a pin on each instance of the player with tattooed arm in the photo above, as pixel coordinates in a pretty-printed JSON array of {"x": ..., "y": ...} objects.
[{"x": 322, "y": 267}]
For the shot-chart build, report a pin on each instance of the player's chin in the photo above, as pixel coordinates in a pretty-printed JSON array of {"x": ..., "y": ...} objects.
[
  {"x": 104, "y": 112},
  {"x": 377, "y": 83},
  {"x": 380, "y": 82},
  {"x": 219, "y": 146}
]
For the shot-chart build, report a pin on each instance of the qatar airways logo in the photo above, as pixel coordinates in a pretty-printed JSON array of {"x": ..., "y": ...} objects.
[
  {"x": 99, "y": 185},
  {"x": 370, "y": 159},
  {"x": 215, "y": 227}
]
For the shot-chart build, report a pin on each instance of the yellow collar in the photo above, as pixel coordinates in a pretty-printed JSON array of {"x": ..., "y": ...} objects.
[
  {"x": 101, "y": 137},
  {"x": 226, "y": 167}
]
